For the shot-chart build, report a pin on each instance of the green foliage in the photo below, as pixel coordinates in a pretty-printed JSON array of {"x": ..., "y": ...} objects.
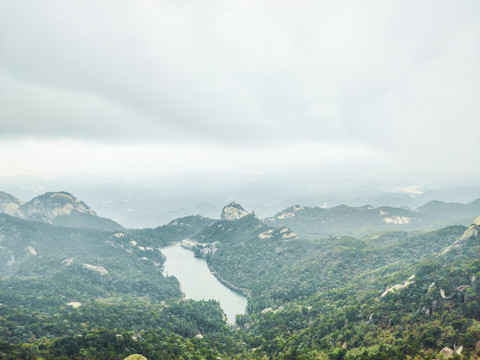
[
  {"x": 173, "y": 232},
  {"x": 325, "y": 295},
  {"x": 313, "y": 222},
  {"x": 308, "y": 299}
]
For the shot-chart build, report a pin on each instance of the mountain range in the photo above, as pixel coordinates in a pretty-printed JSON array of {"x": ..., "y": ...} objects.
[
  {"x": 154, "y": 202},
  {"x": 64, "y": 209},
  {"x": 310, "y": 221},
  {"x": 75, "y": 285}
]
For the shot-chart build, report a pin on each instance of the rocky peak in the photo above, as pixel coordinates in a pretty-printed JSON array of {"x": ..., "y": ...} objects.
[
  {"x": 50, "y": 205},
  {"x": 289, "y": 212},
  {"x": 477, "y": 221},
  {"x": 233, "y": 211},
  {"x": 9, "y": 203},
  {"x": 472, "y": 230}
]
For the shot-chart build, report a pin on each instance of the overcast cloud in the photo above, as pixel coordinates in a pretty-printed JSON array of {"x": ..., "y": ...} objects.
[{"x": 269, "y": 85}]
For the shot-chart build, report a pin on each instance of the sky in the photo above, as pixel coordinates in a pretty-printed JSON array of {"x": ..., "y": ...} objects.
[{"x": 387, "y": 90}]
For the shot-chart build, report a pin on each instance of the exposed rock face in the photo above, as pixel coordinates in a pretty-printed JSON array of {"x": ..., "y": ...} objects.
[
  {"x": 265, "y": 235},
  {"x": 135, "y": 357},
  {"x": 64, "y": 209},
  {"x": 400, "y": 286},
  {"x": 233, "y": 211},
  {"x": 9, "y": 203},
  {"x": 74, "y": 304},
  {"x": 280, "y": 232},
  {"x": 477, "y": 221},
  {"x": 66, "y": 262},
  {"x": 447, "y": 352},
  {"x": 473, "y": 230},
  {"x": 98, "y": 269},
  {"x": 289, "y": 212},
  {"x": 397, "y": 220},
  {"x": 48, "y": 206},
  {"x": 31, "y": 250}
]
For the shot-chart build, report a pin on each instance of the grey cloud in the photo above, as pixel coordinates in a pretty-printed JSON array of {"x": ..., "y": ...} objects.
[{"x": 242, "y": 71}]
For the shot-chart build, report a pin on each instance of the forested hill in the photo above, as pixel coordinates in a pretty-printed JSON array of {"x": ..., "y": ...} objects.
[
  {"x": 83, "y": 293},
  {"x": 385, "y": 297},
  {"x": 84, "y": 263},
  {"x": 176, "y": 230},
  {"x": 452, "y": 210},
  {"x": 314, "y": 222},
  {"x": 250, "y": 255},
  {"x": 69, "y": 293}
]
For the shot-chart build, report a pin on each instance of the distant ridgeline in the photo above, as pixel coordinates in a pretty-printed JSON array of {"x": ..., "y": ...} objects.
[
  {"x": 76, "y": 285},
  {"x": 308, "y": 221}
]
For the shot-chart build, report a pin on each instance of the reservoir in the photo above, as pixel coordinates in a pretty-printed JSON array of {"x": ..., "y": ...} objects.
[{"x": 198, "y": 283}]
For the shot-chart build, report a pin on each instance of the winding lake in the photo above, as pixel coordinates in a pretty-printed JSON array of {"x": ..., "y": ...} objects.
[{"x": 198, "y": 283}]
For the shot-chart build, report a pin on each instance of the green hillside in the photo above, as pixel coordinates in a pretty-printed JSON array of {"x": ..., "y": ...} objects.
[
  {"x": 66, "y": 292},
  {"x": 88, "y": 294},
  {"x": 452, "y": 210},
  {"x": 314, "y": 222}
]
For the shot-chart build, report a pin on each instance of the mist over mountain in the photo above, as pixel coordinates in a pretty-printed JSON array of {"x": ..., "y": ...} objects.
[
  {"x": 314, "y": 222},
  {"x": 451, "y": 209},
  {"x": 153, "y": 202}
]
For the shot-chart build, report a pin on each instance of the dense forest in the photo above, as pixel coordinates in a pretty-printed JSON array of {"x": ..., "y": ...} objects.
[{"x": 95, "y": 294}]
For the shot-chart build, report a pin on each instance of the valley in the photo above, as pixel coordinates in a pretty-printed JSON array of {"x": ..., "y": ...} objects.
[
  {"x": 354, "y": 286},
  {"x": 198, "y": 283}
]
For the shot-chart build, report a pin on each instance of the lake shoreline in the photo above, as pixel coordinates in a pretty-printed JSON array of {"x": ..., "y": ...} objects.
[
  {"x": 228, "y": 284},
  {"x": 243, "y": 291},
  {"x": 198, "y": 281}
]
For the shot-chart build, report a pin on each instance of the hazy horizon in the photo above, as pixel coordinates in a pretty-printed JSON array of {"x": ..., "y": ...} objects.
[
  {"x": 317, "y": 96},
  {"x": 142, "y": 203}
]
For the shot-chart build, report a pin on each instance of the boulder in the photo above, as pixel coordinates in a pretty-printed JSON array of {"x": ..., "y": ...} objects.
[{"x": 135, "y": 357}]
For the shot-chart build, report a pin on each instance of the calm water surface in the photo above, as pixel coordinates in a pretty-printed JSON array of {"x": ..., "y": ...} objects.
[{"x": 199, "y": 284}]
